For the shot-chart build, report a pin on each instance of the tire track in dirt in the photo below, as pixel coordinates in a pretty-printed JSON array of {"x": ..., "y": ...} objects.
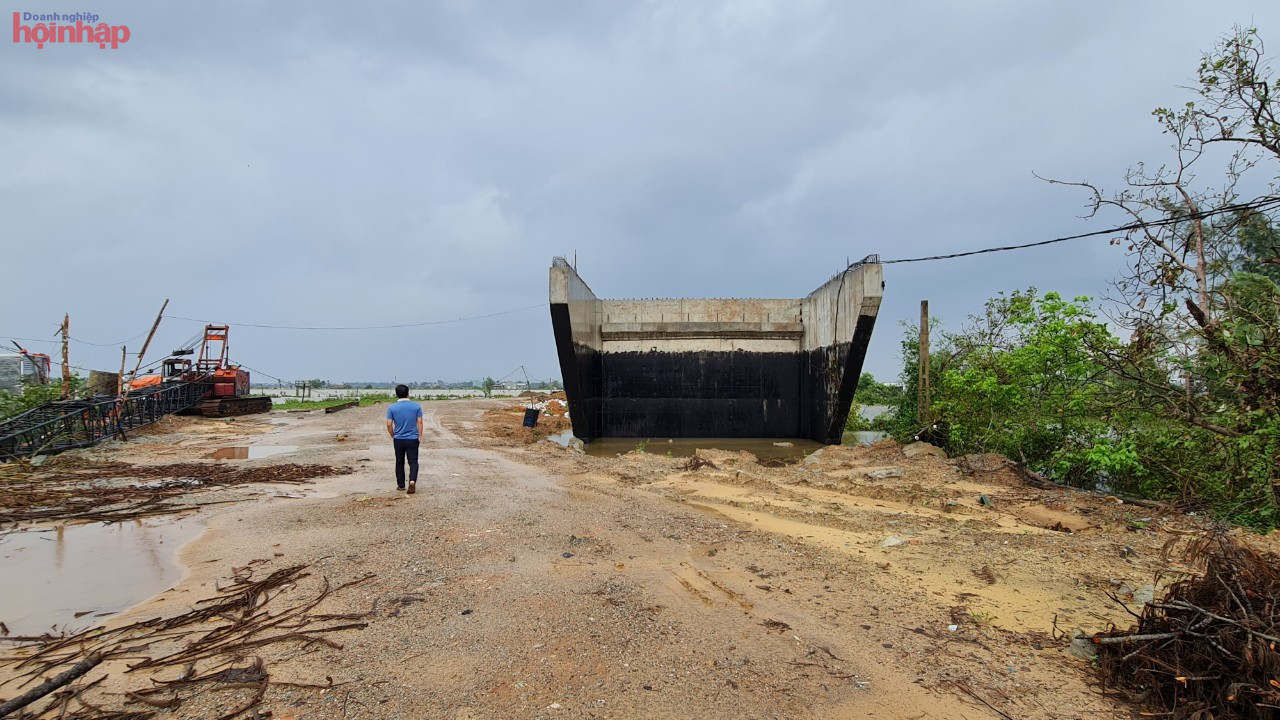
[{"x": 524, "y": 581}]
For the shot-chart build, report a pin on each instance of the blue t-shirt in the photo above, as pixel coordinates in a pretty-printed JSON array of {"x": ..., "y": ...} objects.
[{"x": 405, "y": 414}]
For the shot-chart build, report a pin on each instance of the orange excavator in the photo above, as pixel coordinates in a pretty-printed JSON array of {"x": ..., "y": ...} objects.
[
  {"x": 227, "y": 383},
  {"x": 213, "y": 387}
]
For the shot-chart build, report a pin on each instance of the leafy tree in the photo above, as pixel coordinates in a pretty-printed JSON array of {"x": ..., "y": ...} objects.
[
  {"x": 34, "y": 395},
  {"x": 1024, "y": 380},
  {"x": 901, "y": 420},
  {"x": 487, "y": 386},
  {"x": 1259, "y": 245},
  {"x": 1200, "y": 294},
  {"x": 871, "y": 392},
  {"x": 1189, "y": 407}
]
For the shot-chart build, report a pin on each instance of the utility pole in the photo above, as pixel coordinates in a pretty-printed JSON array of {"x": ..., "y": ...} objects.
[
  {"x": 66, "y": 366},
  {"x": 147, "y": 343},
  {"x": 124, "y": 353},
  {"x": 923, "y": 399},
  {"x": 120, "y": 398}
]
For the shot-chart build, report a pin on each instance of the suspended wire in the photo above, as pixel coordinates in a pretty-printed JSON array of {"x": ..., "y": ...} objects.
[
  {"x": 25, "y": 339},
  {"x": 72, "y": 338},
  {"x": 365, "y": 327},
  {"x": 55, "y": 341},
  {"x": 513, "y": 372},
  {"x": 1258, "y": 204},
  {"x": 273, "y": 377}
]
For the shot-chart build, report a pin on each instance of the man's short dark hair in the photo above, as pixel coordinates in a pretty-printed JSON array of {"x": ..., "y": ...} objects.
[{"x": 402, "y": 391}]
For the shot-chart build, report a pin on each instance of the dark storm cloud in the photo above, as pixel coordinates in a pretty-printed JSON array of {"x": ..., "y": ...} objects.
[{"x": 335, "y": 164}]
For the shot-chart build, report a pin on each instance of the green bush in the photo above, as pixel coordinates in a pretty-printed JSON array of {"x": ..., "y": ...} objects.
[{"x": 34, "y": 395}]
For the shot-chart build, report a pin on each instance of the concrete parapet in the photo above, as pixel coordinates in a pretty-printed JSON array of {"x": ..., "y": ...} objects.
[{"x": 714, "y": 367}]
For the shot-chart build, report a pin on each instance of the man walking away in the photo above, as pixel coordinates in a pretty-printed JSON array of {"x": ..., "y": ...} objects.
[{"x": 404, "y": 425}]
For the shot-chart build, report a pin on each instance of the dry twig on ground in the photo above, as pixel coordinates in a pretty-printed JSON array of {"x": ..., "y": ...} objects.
[
  {"x": 1207, "y": 649},
  {"x": 206, "y": 642},
  {"x": 114, "y": 492}
]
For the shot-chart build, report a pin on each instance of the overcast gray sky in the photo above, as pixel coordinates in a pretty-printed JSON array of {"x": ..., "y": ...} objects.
[{"x": 349, "y": 164}]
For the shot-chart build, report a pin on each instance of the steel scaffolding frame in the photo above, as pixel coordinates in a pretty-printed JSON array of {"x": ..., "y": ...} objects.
[{"x": 66, "y": 424}]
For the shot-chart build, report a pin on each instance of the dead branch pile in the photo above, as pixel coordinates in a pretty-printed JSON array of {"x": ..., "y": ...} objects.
[
  {"x": 697, "y": 461},
  {"x": 1206, "y": 650},
  {"x": 114, "y": 492},
  {"x": 212, "y": 648}
]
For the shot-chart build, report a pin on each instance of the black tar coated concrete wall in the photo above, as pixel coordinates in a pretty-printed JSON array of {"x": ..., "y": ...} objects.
[{"x": 714, "y": 368}]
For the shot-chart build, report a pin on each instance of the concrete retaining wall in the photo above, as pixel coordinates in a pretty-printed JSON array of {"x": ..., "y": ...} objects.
[{"x": 713, "y": 367}]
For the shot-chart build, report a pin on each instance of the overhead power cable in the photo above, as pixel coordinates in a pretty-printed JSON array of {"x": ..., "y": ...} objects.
[
  {"x": 55, "y": 340},
  {"x": 513, "y": 372},
  {"x": 273, "y": 377},
  {"x": 26, "y": 339},
  {"x": 364, "y": 327},
  {"x": 72, "y": 338},
  {"x": 1259, "y": 204}
]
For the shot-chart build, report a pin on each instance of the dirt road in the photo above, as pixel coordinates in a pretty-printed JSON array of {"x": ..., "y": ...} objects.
[{"x": 527, "y": 581}]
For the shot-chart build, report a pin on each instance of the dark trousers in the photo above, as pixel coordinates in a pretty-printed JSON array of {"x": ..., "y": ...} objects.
[{"x": 406, "y": 449}]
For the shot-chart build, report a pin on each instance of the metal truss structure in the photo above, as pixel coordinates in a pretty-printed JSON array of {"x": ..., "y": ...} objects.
[{"x": 67, "y": 424}]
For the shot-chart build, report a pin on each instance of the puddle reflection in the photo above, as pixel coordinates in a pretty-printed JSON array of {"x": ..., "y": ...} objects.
[
  {"x": 74, "y": 576},
  {"x": 251, "y": 452}
]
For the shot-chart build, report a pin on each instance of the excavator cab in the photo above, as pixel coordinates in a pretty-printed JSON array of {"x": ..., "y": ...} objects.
[{"x": 176, "y": 368}]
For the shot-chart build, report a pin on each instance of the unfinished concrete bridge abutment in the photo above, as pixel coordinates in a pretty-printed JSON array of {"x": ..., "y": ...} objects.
[{"x": 759, "y": 368}]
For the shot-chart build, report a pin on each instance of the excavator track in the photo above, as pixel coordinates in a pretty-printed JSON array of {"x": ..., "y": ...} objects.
[{"x": 231, "y": 406}]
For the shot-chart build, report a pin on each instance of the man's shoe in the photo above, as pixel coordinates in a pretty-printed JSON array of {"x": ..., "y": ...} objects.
[
  {"x": 413, "y": 487},
  {"x": 399, "y": 487}
]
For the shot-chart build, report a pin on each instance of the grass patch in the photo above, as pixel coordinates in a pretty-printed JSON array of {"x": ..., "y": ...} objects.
[{"x": 321, "y": 404}]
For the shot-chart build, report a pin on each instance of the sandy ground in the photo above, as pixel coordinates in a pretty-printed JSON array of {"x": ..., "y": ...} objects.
[{"x": 524, "y": 580}]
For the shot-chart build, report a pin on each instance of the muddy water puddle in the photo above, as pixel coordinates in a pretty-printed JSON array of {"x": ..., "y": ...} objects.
[
  {"x": 784, "y": 449},
  {"x": 250, "y": 452},
  {"x": 75, "y": 576}
]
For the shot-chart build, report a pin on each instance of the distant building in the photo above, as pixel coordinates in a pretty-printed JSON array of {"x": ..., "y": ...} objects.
[{"x": 15, "y": 370}]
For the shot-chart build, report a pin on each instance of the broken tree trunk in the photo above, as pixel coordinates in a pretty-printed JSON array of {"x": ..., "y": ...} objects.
[{"x": 51, "y": 684}]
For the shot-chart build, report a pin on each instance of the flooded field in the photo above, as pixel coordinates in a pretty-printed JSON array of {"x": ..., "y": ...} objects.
[
  {"x": 285, "y": 394},
  {"x": 73, "y": 576}
]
